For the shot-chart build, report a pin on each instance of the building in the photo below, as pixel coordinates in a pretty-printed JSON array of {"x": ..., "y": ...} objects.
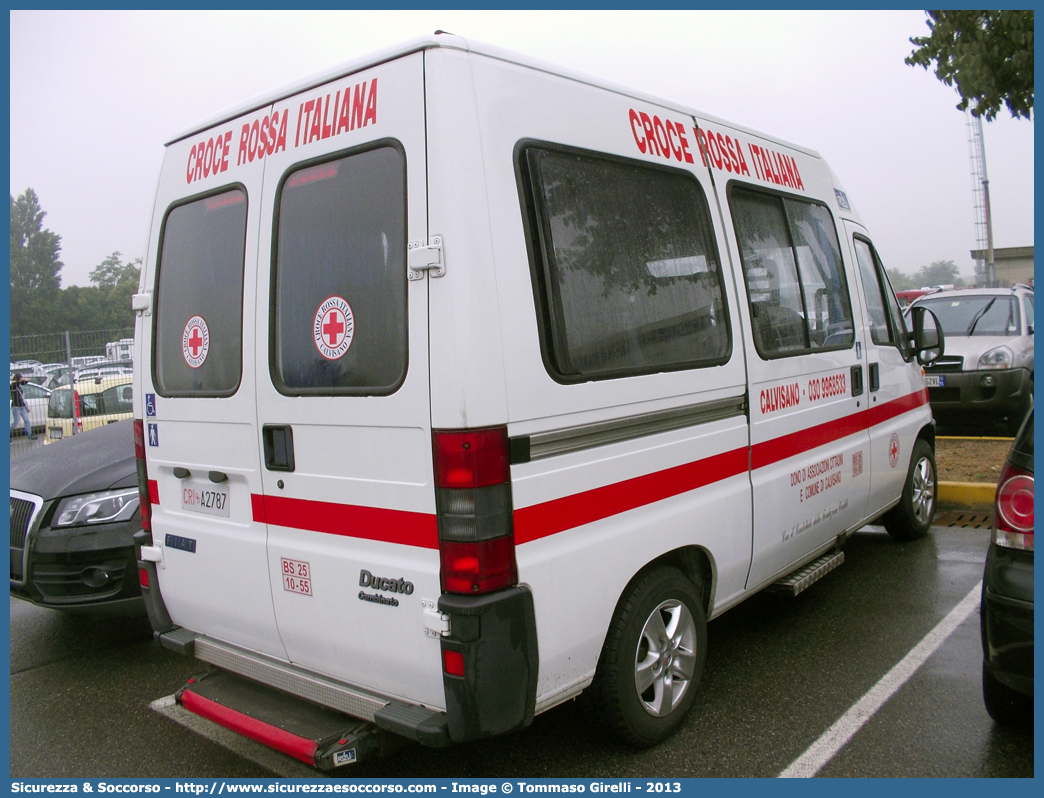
[{"x": 1011, "y": 264}]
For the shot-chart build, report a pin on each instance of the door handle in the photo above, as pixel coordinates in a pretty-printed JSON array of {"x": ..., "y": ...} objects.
[
  {"x": 279, "y": 447},
  {"x": 875, "y": 376},
  {"x": 857, "y": 380}
]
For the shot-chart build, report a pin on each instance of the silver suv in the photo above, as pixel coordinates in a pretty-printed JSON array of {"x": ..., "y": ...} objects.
[{"x": 987, "y": 370}]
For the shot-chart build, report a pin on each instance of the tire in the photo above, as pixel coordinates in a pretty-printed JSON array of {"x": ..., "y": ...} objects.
[
  {"x": 912, "y": 517},
  {"x": 1006, "y": 706},
  {"x": 652, "y": 660}
]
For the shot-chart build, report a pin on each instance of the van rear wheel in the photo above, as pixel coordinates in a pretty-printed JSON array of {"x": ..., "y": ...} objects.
[
  {"x": 652, "y": 660},
  {"x": 912, "y": 517}
]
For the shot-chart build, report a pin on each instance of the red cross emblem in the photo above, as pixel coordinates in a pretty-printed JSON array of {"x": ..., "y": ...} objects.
[
  {"x": 195, "y": 342},
  {"x": 893, "y": 450},
  {"x": 333, "y": 327}
]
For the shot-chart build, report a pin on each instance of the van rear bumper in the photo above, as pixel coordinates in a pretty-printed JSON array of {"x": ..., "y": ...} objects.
[
  {"x": 425, "y": 726},
  {"x": 495, "y": 634}
]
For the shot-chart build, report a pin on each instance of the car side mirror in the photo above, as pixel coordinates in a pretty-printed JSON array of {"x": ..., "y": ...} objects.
[{"x": 928, "y": 339}]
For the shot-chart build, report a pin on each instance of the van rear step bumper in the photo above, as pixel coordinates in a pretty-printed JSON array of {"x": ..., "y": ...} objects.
[
  {"x": 318, "y": 736},
  {"x": 426, "y": 726},
  {"x": 806, "y": 576}
]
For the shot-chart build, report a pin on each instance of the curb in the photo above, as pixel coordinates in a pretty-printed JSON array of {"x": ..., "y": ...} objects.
[{"x": 967, "y": 494}]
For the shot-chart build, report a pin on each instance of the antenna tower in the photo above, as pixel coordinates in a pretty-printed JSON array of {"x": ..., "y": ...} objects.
[{"x": 984, "y": 267}]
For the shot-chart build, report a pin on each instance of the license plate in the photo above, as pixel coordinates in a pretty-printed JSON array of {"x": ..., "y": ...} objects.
[
  {"x": 54, "y": 434},
  {"x": 204, "y": 498},
  {"x": 936, "y": 381}
]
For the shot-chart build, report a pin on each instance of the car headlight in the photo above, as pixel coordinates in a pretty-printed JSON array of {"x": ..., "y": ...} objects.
[
  {"x": 999, "y": 358},
  {"x": 97, "y": 508}
]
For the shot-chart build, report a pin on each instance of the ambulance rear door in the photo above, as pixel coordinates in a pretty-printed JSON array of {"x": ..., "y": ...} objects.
[
  {"x": 197, "y": 385},
  {"x": 342, "y": 385}
]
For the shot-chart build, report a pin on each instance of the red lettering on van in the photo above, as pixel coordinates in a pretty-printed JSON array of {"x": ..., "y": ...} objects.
[
  {"x": 686, "y": 155},
  {"x": 334, "y": 113},
  {"x": 208, "y": 157},
  {"x": 371, "y": 105},
  {"x": 650, "y": 137},
  {"x": 656, "y": 136},
  {"x": 260, "y": 138},
  {"x": 639, "y": 140}
]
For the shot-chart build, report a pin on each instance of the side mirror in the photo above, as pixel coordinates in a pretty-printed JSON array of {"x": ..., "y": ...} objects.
[{"x": 928, "y": 339}]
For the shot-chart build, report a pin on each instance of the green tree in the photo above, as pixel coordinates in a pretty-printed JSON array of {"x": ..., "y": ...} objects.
[
  {"x": 941, "y": 272},
  {"x": 35, "y": 278},
  {"x": 987, "y": 54},
  {"x": 106, "y": 304},
  {"x": 900, "y": 280},
  {"x": 112, "y": 271}
]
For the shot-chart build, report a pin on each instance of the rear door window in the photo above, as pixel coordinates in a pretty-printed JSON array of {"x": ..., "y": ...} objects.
[
  {"x": 198, "y": 336},
  {"x": 339, "y": 286},
  {"x": 627, "y": 271}
]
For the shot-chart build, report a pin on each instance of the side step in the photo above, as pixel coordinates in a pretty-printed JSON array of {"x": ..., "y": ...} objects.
[
  {"x": 807, "y": 575},
  {"x": 318, "y": 736}
]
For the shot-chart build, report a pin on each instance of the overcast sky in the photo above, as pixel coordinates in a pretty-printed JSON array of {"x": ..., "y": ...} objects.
[{"x": 94, "y": 95}]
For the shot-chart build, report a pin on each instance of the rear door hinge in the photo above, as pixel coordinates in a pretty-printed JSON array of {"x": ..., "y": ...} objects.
[
  {"x": 436, "y": 622},
  {"x": 426, "y": 258},
  {"x": 142, "y": 303}
]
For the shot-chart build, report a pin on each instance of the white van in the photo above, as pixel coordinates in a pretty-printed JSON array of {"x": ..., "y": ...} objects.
[{"x": 465, "y": 385}]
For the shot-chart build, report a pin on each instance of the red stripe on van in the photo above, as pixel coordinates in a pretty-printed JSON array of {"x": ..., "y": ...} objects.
[
  {"x": 904, "y": 404},
  {"x": 769, "y": 452},
  {"x": 549, "y": 518},
  {"x": 350, "y": 520},
  {"x": 786, "y": 446}
]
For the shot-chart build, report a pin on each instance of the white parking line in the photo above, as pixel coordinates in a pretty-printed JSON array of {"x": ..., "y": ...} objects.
[
  {"x": 281, "y": 765},
  {"x": 834, "y": 739}
]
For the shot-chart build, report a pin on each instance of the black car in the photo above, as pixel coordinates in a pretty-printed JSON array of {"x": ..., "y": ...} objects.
[
  {"x": 1007, "y": 590},
  {"x": 74, "y": 508}
]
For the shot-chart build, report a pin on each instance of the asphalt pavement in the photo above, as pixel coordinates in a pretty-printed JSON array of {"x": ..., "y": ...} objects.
[{"x": 90, "y": 696}]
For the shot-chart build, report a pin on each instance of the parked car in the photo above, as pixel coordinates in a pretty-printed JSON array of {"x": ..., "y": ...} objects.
[
  {"x": 74, "y": 509},
  {"x": 103, "y": 372},
  {"x": 987, "y": 370},
  {"x": 909, "y": 295},
  {"x": 36, "y": 398},
  {"x": 87, "y": 405},
  {"x": 1007, "y": 590}
]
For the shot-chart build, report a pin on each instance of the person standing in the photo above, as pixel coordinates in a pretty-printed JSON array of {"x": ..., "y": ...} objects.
[{"x": 18, "y": 408}]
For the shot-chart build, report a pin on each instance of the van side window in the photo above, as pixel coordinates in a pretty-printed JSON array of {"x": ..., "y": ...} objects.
[
  {"x": 627, "y": 272},
  {"x": 796, "y": 285},
  {"x": 201, "y": 276},
  {"x": 887, "y": 327},
  {"x": 339, "y": 282}
]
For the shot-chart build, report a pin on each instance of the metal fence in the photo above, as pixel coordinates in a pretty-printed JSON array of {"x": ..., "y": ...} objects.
[{"x": 97, "y": 365}]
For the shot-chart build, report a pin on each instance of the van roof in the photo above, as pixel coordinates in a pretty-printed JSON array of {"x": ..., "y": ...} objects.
[{"x": 452, "y": 41}]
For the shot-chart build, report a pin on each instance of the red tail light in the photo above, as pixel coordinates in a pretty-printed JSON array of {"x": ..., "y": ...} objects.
[
  {"x": 1013, "y": 516},
  {"x": 453, "y": 662},
  {"x": 473, "y": 498},
  {"x": 143, "y": 578},
  {"x": 144, "y": 497}
]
